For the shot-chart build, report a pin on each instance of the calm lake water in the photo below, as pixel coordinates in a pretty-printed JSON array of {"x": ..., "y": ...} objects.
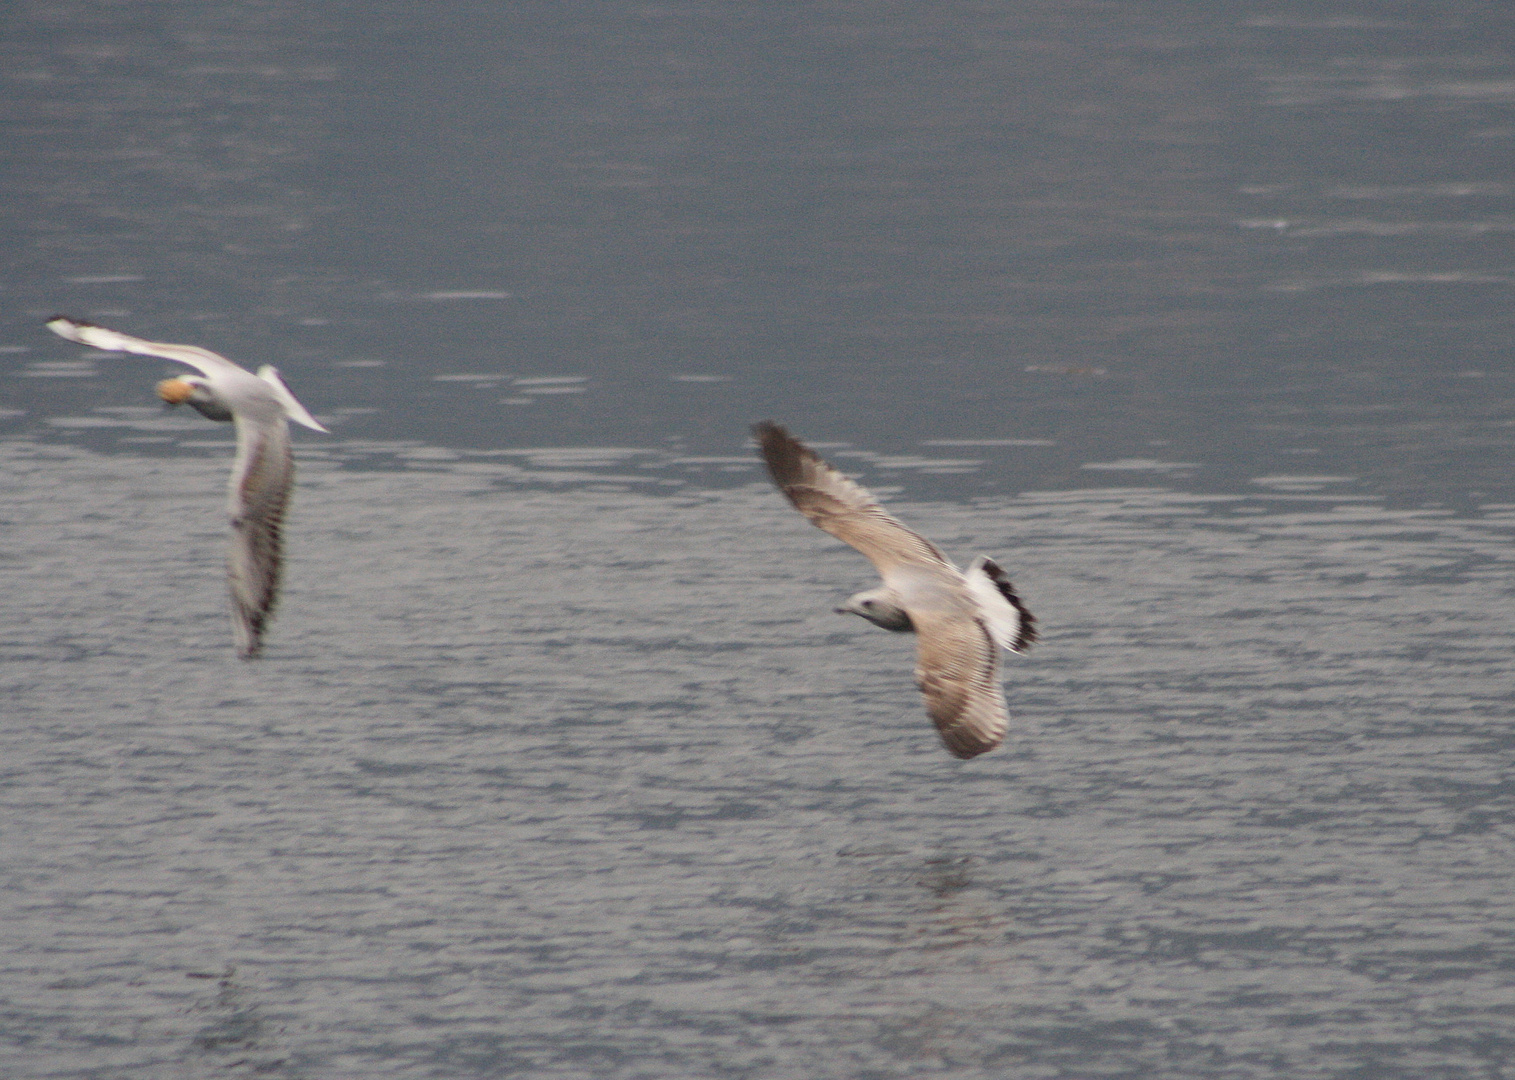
[{"x": 558, "y": 763}]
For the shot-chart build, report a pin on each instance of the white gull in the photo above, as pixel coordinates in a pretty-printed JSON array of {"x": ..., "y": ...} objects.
[
  {"x": 262, "y": 475},
  {"x": 961, "y": 619}
]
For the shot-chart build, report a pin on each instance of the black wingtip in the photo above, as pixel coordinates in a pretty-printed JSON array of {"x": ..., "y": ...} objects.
[
  {"x": 770, "y": 435},
  {"x": 782, "y": 452}
]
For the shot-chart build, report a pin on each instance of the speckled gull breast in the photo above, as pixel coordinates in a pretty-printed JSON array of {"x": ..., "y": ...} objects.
[
  {"x": 961, "y": 619},
  {"x": 262, "y": 475}
]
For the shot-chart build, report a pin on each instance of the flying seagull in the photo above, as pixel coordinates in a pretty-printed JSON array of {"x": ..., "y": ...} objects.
[
  {"x": 264, "y": 470},
  {"x": 961, "y": 619}
]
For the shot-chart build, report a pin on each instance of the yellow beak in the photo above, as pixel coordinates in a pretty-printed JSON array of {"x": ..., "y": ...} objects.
[{"x": 175, "y": 391}]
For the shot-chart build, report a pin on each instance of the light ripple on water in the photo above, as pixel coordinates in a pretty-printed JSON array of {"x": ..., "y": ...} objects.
[{"x": 536, "y": 781}]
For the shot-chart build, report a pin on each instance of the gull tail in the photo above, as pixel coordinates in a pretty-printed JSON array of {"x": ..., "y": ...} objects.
[
  {"x": 292, "y": 408},
  {"x": 1010, "y": 622}
]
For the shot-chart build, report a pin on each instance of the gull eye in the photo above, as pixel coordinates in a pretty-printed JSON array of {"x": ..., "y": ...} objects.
[{"x": 868, "y": 603}]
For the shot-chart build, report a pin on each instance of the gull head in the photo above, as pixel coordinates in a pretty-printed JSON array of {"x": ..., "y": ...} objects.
[
  {"x": 880, "y": 607},
  {"x": 197, "y": 394}
]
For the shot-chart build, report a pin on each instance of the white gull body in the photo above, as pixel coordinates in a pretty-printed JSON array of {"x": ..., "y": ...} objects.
[
  {"x": 262, "y": 476},
  {"x": 961, "y": 619}
]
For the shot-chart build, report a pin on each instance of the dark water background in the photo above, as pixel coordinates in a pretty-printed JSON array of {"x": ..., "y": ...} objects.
[{"x": 1197, "y": 316}]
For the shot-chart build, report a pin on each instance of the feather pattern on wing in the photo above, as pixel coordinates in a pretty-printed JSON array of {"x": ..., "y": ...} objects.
[
  {"x": 840, "y": 507},
  {"x": 957, "y": 670},
  {"x": 261, "y": 481}
]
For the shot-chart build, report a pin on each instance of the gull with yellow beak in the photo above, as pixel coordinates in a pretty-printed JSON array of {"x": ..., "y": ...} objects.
[{"x": 262, "y": 475}]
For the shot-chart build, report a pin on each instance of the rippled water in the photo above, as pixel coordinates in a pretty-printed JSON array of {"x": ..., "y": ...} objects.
[
  {"x": 558, "y": 763},
  {"x": 550, "y": 775}
]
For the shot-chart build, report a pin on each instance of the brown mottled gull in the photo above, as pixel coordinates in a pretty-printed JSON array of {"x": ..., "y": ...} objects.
[{"x": 961, "y": 619}]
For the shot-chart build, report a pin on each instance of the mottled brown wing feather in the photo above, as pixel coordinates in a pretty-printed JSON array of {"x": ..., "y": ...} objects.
[
  {"x": 957, "y": 669},
  {"x": 837, "y": 505},
  {"x": 260, "y": 497}
]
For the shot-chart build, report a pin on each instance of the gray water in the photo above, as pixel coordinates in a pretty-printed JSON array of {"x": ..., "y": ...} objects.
[{"x": 558, "y": 763}]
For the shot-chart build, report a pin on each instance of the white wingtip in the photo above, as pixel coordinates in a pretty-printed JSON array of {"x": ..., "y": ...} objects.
[
  {"x": 292, "y": 408},
  {"x": 73, "y": 329}
]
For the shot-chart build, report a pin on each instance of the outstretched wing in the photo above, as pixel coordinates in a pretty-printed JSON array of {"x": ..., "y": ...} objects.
[
  {"x": 261, "y": 481},
  {"x": 202, "y": 360},
  {"x": 957, "y": 669},
  {"x": 845, "y": 510}
]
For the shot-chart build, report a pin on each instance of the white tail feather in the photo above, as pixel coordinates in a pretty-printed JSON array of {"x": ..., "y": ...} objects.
[
  {"x": 1008, "y": 620},
  {"x": 292, "y": 408}
]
